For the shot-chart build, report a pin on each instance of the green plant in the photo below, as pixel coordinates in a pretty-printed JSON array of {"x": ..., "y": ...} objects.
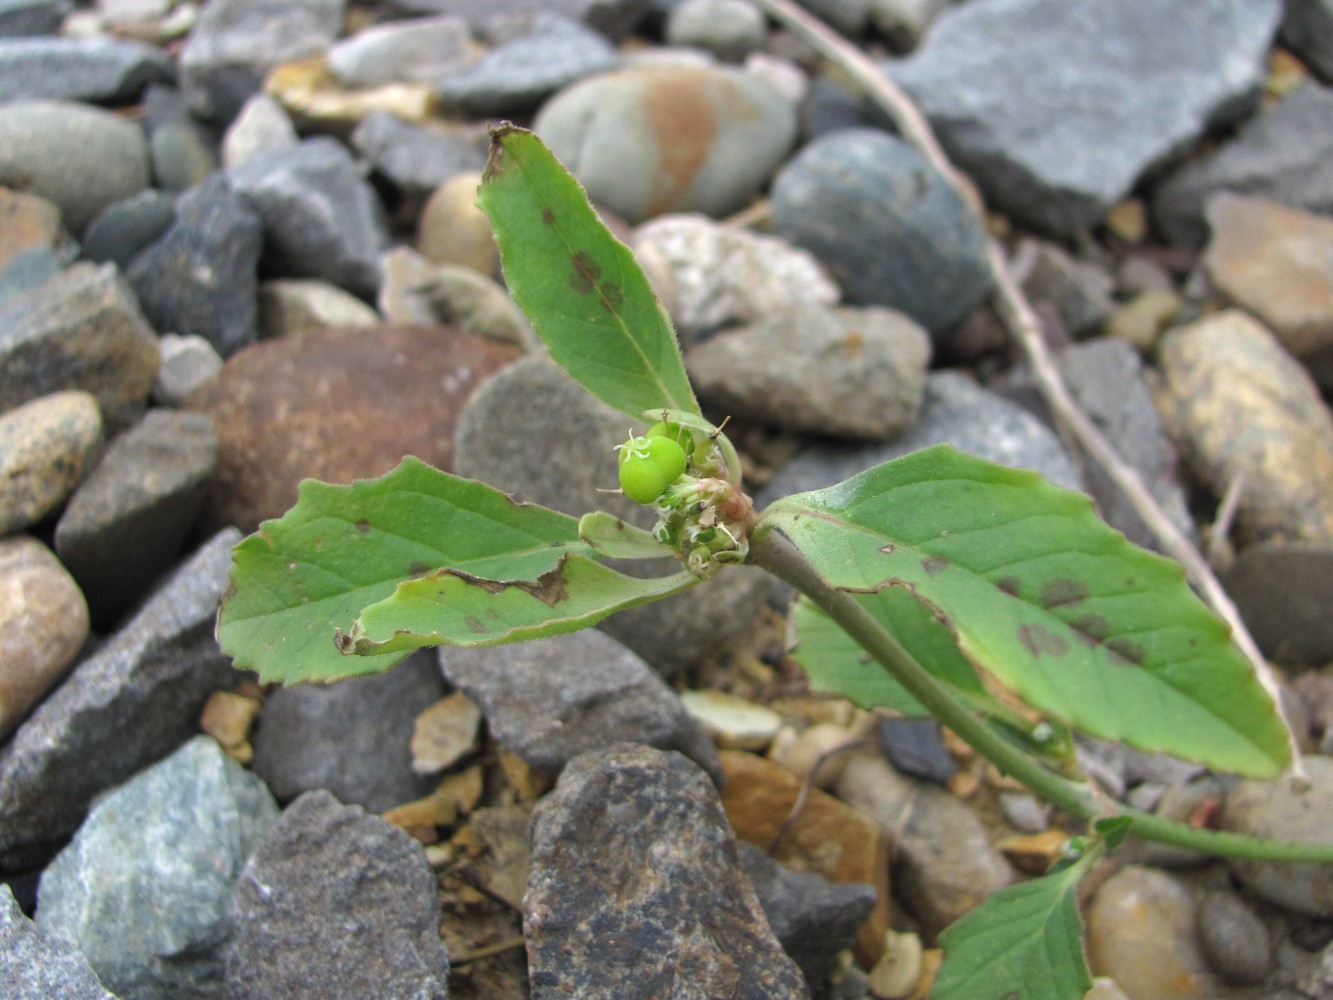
[{"x": 926, "y": 584}]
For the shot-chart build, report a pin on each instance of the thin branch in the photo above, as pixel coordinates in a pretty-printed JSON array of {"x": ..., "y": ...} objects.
[{"x": 1021, "y": 324}]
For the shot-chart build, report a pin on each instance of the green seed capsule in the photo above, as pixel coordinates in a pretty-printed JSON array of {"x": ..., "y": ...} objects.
[
  {"x": 674, "y": 432},
  {"x": 648, "y": 465}
]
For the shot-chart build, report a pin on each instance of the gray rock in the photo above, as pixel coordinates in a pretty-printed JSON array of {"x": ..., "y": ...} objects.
[
  {"x": 126, "y": 523},
  {"x": 80, "y": 330},
  {"x": 35, "y": 966},
  {"x": 886, "y": 225},
  {"x": 29, "y": 270},
  {"x": 660, "y": 139},
  {"x": 352, "y": 738},
  {"x": 135, "y": 699},
  {"x": 414, "y": 50},
  {"x": 144, "y": 889},
  {"x": 520, "y": 74},
  {"x": 417, "y": 290},
  {"x": 293, "y": 306},
  {"x": 1282, "y": 592},
  {"x": 1307, "y": 28},
  {"x": 1105, "y": 377},
  {"x": 417, "y": 159},
  {"x": 262, "y": 124},
  {"x": 651, "y": 825},
  {"x": 321, "y": 218},
  {"x": 188, "y": 362},
  {"x": 812, "y": 918},
  {"x": 337, "y": 904},
  {"x": 1284, "y": 154},
  {"x": 45, "y": 448},
  {"x": 1079, "y": 291},
  {"x": 181, "y": 156},
  {"x": 904, "y": 22},
  {"x": 729, "y": 29},
  {"x": 846, "y": 16},
  {"x": 79, "y": 157},
  {"x": 1234, "y": 940},
  {"x": 850, "y": 373},
  {"x": 236, "y": 42},
  {"x": 1056, "y": 109},
  {"x": 201, "y": 277},
  {"x": 126, "y": 227},
  {"x": 96, "y": 70},
  {"x": 550, "y": 700},
  {"x": 613, "y": 18},
  {"x": 20, "y": 18},
  {"x": 955, "y": 410}
]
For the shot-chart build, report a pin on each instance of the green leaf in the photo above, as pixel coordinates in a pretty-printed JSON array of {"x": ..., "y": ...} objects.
[
  {"x": 585, "y": 294},
  {"x": 1047, "y": 599},
  {"x": 615, "y": 538},
  {"x": 453, "y": 608},
  {"x": 342, "y": 548},
  {"x": 1024, "y": 942}
]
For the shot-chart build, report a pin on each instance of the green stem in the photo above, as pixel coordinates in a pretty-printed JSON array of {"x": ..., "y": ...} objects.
[{"x": 781, "y": 558}]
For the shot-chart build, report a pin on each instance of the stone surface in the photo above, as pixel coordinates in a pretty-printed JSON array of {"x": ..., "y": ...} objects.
[
  {"x": 20, "y": 18},
  {"x": 43, "y": 622},
  {"x": 144, "y": 889},
  {"x": 729, "y": 29},
  {"x": 1282, "y": 591},
  {"x": 36, "y": 966},
  {"x": 321, "y": 219},
  {"x": 453, "y": 230},
  {"x": 288, "y": 306},
  {"x": 1079, "y": 291},
  {"x": 1274, "y": 809},
  {"x": 261, "y": 125},
  {"x": 711, "y": 276},
  {"x": 132, "y": 701},
  {"x": 80, "y": 158},
  {"x": 336, "y": 904},
  {"x": 1284, "y": 154},
  {"x": 182, "y": 156},
  {"x": 352, "y": 738},
  {"x": 1022, "y": 92},
  {"x": 316, "y": 103},
  {"x": 1235, "y": 400},
  {"x": 847, "y": 373},
  {"x": 732, "y": 721},
  {"x": 418, "y": 291},
  {"x": 94, "y": 70},
  {"x": 27, "y": 221},
  {"x": 649, "y": 141},
  {"x": 82, "y": 329},
  {"x": 1234, "y": 939},
  {"x": 412, "y": 50},
  {"x": 352, "y": 404},
  {"x": 46, "y": 446},
  {"x": 130, "y": 225},
  {"x": 1141, "y": 934},
  {"x": 200, "y": 276},
  {"x": 416, "y": 159},
  {"x": 549, "y": 700},
  {"x": 188, "y": 362},
  {"x": 1307, "y": 28},
  {"x": 127, "y": 521},
  {"x": 885, "y": 224},
  {"x": 684, "y": 920}
]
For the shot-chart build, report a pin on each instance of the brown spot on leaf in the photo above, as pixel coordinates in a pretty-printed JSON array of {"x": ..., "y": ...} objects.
[
  {"x": 1062, "y": 591},
  {"x": 1038, "y": 640},
  {"x": 585, "y": 274},
  {"x": 363, "y": 526},
  {"x": 889, "y": 549},
  {"x": 1093, "y": 629},
  {"x": 418, "y": 568},
  {"x": 549, "y": 588},
  {"x": 548, "y": 217},
  {"x": 934, "y": 564},
  {"x": 613, "y": 300},
  {"x": 476, "y": 624},
  {"x": 1125, "y": 651},
  {"x": 1008, "y": 584}
]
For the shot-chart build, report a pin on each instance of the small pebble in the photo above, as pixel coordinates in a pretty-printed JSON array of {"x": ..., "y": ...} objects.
[
  {"x": 729, "y": 29},
  {"x": 444, "y": 733},
  {"x": 734, "y": 723},
  {"x": 1235, "y": 941},
  {"x": 45, "y": 447}
]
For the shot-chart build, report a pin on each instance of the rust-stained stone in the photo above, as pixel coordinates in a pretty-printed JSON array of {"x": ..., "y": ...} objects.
[
  {"x": 26, "y": 222},
  {"x": 335, "y": 405}
]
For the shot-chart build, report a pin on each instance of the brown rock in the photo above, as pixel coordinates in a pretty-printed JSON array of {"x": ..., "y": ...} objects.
[
  {"x": 44, "y": 447},
  {"x": 26, "y": 222},
  {"x": 43, "y": 625},
  {"x": 453, "y": 230},
  {"x": 335, "y": 405}
]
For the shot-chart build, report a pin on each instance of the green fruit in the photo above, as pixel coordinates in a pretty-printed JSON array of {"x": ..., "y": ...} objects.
[
  {"x": 648, "y": 465},
  {"x": 674, "y": 432}
]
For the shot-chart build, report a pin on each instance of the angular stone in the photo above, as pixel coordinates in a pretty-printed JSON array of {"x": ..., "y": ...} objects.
[
  {"x": 36, "y": 966},
  {"x": 45, "y": 446},
  {"x": 95, "y": 70},
  {"x": 294, "y": 306},
  {"x": 1307, "y": 27},
  {"x": 613, "y": 18},
  {"x": 335, "y": 405},
  {"x": 261, "y": 125},
  {"x": 416, "y": 159},
  {"x": 134, "y": 700},
  {"x": 1079, "y": 291},
  {"x": 336, "y": 904},
  {"x": 413, "y": 50},
  {"x": 550, "y": 700},
  {"x": 188, "y": 362},
  {"x": 44, "y": 622},
  {"x": 80, "y": 330},
  {"x": 144, "y": 889},
  {"x": 650, "y": 825},
  {"x": 316, "y": 103},
  {"x": 126, "y": 523}
]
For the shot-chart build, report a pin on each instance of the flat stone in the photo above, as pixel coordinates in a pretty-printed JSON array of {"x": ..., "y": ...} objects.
[
  {"x": 316, "y": 103},
  {"x": 417, "y": 158},
  {"x": 649, "y": 141},
  {"x": 131, "y": 702},
  {"x": 45, "y": 447},
  {"x": 416, "y": 290},
  {"x": 613, "y": 18},
  {"x": 82, "y": 329},
  {"x": 144, "y": 889},
  {"x": 549, "y": 700},
  {"x": 288, "y": 306},
  {"x": 126, "y": 523},
  {"x": 261, "y": 125},
  {"x": 886, "y": 225},
  {"x": 36, "y": 966},
  {"x": 352, "y": 403},
  {"x": 1282, "y": 593},
  {"x": 650, "y": 824},
  {"x": 1236, "y": 402},
  {"x": 1020, "y": 92},
  {"x": 95, "y": 70},
  {"x": 44, "y": 620},
  {"x": 412, "y": 50},
  {"x": 20, "y": 18}
]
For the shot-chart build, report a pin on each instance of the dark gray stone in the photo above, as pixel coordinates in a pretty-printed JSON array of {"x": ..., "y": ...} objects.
[
  {"x": 888, "y": 227},
  {"x": 131, "y": 702},
  {"x": 145, "y": 887},
  {"x": 181, "y": 156},
  {"x": 1078, "y": 291},
  {"x": 1284, "y": 154},
  {"x": 124, "y": 228},
  {"x": 1057, "y": 107},
  {"x": 1307, "y": 28},
  {"x": 1282, "y": 591},
  {"x": 682, "y": 920},
  {"x": 916, "y": 748},
  {"x": 613, "y": 18},
  {"x": 125, "y": 524},
  {"x": 550, "y": 700},
  {"x": 22, "y": 18},
  {"x": 519, "y": 75},
  {"x": 1234, "y": 940},
  {"x": 812, "y": 918},
  {"x": 201, "y": 276},
  {"x": 80, "y": 330},
  {"x": 352, "y": 738},
  {"x": 96, "y": 70},
  {"x": 337, "y": 904},
  {"x": 321, "y": 219},
  {"x": 36, "y": 966},
  {"x": 417, "y": 159}
]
